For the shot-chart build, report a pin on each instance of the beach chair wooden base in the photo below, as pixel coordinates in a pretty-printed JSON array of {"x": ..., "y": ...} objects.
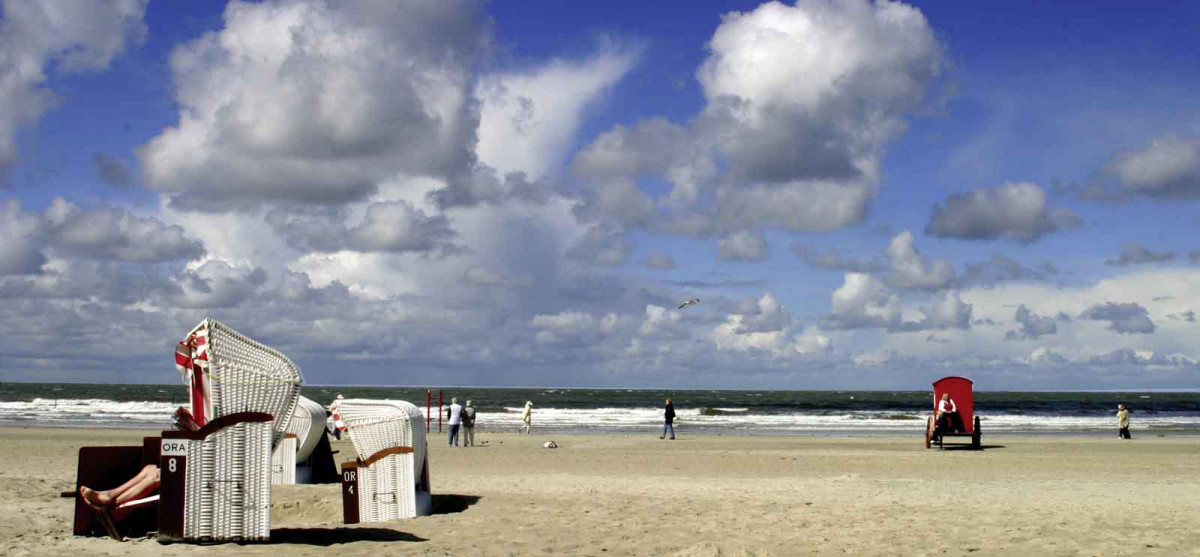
[
  {"x": 104, "y": 468},
  {"x": 364, "y": 498},
  {"x": 975, "y": 437},
  {"x": 206, "y": 504}
]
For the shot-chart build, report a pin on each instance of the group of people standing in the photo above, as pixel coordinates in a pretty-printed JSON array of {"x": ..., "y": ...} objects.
[{"x": 461, "y": 418}]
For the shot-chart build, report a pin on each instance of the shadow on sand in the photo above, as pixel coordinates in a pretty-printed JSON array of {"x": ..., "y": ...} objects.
[
  {"x": 449, "y": 503},
  {"x": 969, "y": 448},
  {"x": 326, "y": 537}
]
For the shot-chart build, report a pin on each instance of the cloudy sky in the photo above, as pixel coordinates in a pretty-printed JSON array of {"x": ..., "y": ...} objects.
[{"x": 861, "y": 194}]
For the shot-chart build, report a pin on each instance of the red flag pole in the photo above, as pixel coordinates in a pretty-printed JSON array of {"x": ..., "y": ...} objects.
[
  {"x": 428, "y": 404},
  {"x": 439, "y": 411}
]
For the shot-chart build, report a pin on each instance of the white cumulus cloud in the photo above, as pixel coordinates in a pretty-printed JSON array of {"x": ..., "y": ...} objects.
[
  {"x": 907, "y": 268},
  {"x": 743, "y": 245},
  {"x": 528, "y": 119},
  {"x": 68, "y": 35},
  {"x": 1011, "y": 211},
  {"x": 1169, "y": 166},
  {"x": 315, "y": 102}
]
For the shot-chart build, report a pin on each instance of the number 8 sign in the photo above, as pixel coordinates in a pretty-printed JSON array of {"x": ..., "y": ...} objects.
[{"x": 172, "y": 474}]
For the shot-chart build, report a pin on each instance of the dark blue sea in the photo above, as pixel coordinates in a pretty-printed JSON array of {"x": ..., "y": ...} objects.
[{"x": 634, "y": 410}]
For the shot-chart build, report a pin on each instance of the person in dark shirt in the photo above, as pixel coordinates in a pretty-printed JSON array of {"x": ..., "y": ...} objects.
[{"x": 668, "y": 420}]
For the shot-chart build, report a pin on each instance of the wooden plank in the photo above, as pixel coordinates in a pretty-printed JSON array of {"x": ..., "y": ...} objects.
[
  {"x": 173, "y": 481},
  {"x": 350, "y": 493},
  {"x": 383, "y": 454},
  {"x": 102, "y": 468}
]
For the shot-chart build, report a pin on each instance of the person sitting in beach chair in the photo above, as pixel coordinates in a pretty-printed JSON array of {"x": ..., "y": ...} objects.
[
  {"x": 953, "y": 412},
  {"x": 113, "y": 504},
  {"x": 948, "y": 418},
  {"x": 213, "y": 475}
]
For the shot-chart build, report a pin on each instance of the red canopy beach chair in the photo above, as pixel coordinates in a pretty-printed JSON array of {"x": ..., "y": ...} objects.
[{"x": 961, "y": 391}]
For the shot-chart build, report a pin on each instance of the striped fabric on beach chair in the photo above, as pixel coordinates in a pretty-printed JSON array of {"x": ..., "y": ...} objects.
[
  {"x": 303, "y": 432},
  {"x": 390, "y": 478},
  {"x": 216, "y": 481}
]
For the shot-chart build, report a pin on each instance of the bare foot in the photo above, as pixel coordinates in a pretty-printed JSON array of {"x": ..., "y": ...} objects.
[{"x": 94, "y": 499}]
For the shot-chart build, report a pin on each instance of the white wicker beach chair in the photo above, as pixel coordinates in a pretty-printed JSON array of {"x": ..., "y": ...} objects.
[
  {"x": 303, "y": 432},
  {"x": 216, "y": 482},
  {"x": 390, "y": 479}
]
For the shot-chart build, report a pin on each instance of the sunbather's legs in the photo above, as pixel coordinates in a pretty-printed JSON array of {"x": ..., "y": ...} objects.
[{"x": 137, "y": 487}]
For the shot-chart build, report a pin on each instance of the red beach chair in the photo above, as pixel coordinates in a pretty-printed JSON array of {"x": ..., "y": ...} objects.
[{"x": 961, "y": 392}]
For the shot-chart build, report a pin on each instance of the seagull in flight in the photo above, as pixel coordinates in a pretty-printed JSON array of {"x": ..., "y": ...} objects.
[{"x": 691, "y": 302}]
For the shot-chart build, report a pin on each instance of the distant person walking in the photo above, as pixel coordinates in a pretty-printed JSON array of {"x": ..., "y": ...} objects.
[
  {"x": 668, "y": 420},
  {"x": 1123, "y": 422},
  {"x": 527, "y": 417},
  {"x": 468, "y": 424},
  {"x": 454, "y": 419}
]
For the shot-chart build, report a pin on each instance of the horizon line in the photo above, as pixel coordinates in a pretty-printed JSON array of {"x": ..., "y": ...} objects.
[{"x": 445, "y": 387}]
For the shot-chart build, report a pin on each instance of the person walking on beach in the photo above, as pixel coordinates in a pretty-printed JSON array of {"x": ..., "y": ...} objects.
[
  {"x": 1123, "y": 422},
  {"x": 468, "y": 425},
  {"x": 668, "y": 420},
  {"x": 454, "y": 419},
  {"x": 527, "y": 417}
]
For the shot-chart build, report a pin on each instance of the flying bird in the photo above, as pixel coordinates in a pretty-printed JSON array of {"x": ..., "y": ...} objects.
[{"x": 691, "y": 302}]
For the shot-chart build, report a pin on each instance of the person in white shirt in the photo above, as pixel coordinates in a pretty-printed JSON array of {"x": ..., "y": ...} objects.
[
  {"x": 454, "y": 419},
  {"x": 947, "y": 415}
]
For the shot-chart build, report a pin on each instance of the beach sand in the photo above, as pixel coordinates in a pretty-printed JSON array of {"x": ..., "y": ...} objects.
[{"x": 702, "y": 495}]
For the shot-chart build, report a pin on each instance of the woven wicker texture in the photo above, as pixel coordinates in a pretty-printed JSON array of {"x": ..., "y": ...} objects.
[
  {"x": 247, "y": 376},
  {"x": 283, "y": 462},
  {"x": 227, "y": 494},
  {"x": 308, "y": 425},
  {"x": 387, "y": 488}
]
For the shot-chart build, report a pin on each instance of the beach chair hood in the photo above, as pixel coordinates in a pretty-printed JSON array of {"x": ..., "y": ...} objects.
[
  {"x": 227, "y": 373},
  {"x": 216, "y": 480},
  {"x": 391, "y": 473}
]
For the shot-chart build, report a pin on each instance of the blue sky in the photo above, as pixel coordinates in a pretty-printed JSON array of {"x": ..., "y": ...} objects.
[{"x": 862, "y": 194}]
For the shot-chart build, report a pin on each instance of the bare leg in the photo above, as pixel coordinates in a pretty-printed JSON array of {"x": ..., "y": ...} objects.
[{"x": 137, "y": 487}]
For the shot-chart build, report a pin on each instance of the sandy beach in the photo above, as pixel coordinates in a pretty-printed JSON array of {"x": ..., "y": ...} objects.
[{"x": 703, "y": 495}]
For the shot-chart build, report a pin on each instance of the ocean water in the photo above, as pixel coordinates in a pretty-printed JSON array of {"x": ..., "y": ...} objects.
[{"x": 640, "y": 411}]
